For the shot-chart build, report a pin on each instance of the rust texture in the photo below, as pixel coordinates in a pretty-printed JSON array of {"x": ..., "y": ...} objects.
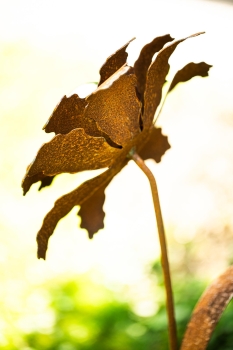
[
  {"x": 208, "y": 312},
  {"x": 113, "y": 63},
  {"x": 156, "y": 75},
  {"x": 189, "y": 71},
  {"x": 85, "y": 193},
  {"x": 116, "y": 109},
  {"x": 145, "y": 58},
  {"x": 68, "y": 115},
  {"x": 100, "y": 131},
  {"x": 72, "y": 153}
]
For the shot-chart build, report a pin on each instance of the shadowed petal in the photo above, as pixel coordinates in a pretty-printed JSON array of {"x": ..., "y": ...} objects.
[
  {"x": 155, "y": 147},
  {"x": 114, "y": 62},
  {"x": 28, "y": 181},
  {"x": 155, "y": 79},
  {"x": 91, "y": 191},
  {"x": 91, "y": 211},
  {"x": 46, "y": 181},
  {"x": 144, "y": 60},
  {"x": 188, "y": 72}
]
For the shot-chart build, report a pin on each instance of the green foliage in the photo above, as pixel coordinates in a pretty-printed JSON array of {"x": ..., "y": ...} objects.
[
  {"x": 88, "y": 316},
  {"x": 101, "y": 324}
]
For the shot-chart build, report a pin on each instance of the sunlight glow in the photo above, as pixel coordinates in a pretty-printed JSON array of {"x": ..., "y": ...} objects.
[{"x": 47, "y": 50}]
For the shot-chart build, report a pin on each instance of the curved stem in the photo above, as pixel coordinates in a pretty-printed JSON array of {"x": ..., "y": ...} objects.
[{"x": 164, "y": 256}]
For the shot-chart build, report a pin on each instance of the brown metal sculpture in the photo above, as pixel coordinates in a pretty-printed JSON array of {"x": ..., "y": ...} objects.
[{"x": 105, "y": 130}]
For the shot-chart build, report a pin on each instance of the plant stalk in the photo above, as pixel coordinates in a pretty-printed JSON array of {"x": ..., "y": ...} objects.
[{"x": 164, "y": 256}]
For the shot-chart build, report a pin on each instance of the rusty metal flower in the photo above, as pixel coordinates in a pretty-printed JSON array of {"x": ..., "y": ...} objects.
[{"x": 99, "y": 131}]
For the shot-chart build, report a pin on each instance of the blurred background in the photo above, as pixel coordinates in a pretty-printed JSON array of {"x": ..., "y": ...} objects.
[{"x": 108, "y": 293}]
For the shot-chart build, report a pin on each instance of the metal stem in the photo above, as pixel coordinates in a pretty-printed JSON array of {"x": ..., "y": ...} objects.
[{"x": 164, "y": 255}]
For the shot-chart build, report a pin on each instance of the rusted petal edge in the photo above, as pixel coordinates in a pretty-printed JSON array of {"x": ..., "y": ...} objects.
[{"x": 155, "y": 80}]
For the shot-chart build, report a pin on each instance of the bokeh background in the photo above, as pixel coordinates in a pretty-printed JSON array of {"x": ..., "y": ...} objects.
[{"x": 107, "y": 293}]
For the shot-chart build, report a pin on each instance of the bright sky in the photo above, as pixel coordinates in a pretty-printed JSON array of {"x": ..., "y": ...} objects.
[{"x": 47, "y": 49}]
